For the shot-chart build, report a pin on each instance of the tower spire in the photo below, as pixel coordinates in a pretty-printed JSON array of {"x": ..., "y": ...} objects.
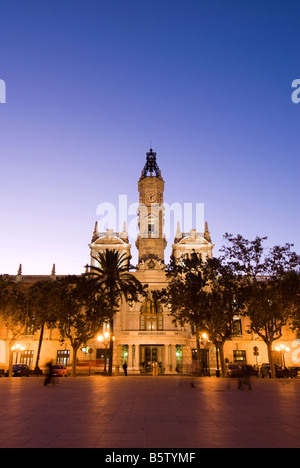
[
  {"x": 151, "y": 241},
  {"x": 151, "y": 165},
  {"x": 95, "y": 233}
]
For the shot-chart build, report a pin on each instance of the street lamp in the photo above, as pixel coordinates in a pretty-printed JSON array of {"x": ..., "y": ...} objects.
[
  {"x": 218, "y": 372},
  {"x": 282, "y": 349},
  {"x": 105, "y": 339},
  {"x": 17, "y": 348},
  {"x": 87, "y": 350},
  {"x": 205, "y": 339}
]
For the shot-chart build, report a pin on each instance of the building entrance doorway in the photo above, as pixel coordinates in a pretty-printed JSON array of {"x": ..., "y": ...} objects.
[
  {"x": 204, "y": 358},
  {"x": 150, "y": 354}
]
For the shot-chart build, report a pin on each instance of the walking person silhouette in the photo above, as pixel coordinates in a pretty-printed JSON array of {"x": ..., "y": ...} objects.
[
  {"x": 49, "y": 377},
  {"x": 125, "y": 368}
]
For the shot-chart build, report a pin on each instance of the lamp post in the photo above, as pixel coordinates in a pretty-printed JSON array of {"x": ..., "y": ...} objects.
[
  {"x": 87, "y": 350},
  {"x": 218, "y": 372},
  {"x": 282, "y": 349},
  {"x": 17, "y": 349},
  {"x": 105, "y": 339},
  {"x": 205, "y": 338}
]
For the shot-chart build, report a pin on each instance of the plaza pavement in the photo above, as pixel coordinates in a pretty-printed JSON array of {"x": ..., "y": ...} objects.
[{"x": 148, "y": 412}]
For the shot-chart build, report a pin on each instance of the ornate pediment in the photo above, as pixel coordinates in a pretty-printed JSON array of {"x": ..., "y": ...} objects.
[
  {"x": 192, "y": 238},
  {"x": 198, "y": 240},
  {"x": 150, "y": 262},
  {"x": 109, "y": 238}
]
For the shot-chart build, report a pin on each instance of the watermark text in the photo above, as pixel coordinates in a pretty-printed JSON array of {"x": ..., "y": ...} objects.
[
  {"x": 138, "y": 217},
  {"x": 296, "y": 93},
  {"x": 2, "y": 92}
]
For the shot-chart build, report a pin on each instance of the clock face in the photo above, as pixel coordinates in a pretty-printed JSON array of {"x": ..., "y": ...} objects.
[{"x": 151, "y": 197}]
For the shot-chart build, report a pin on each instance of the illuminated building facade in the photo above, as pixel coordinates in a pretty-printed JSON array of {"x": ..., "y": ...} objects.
[{"x": 144, "y": 331}]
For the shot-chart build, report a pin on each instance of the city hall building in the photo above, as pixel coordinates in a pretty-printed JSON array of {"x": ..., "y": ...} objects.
[{"x": 144, "y": 333}]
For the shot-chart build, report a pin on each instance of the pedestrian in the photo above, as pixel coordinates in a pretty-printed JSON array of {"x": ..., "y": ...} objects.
[
  {"x": 49, "y": 376},
  {"x": 245, "y": 379},
  {"x": 193, "y": 370},
  {"x": 125, "y": 368}
]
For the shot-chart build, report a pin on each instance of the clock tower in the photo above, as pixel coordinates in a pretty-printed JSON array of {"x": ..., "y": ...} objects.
[{"x": 151, "y": 242}]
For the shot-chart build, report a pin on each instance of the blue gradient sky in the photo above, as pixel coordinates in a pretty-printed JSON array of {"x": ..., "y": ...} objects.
[{"x": 90, "y": 83}]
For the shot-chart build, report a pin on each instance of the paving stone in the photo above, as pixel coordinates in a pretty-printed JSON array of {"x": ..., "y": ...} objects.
[{"x": 143, "y": 412}]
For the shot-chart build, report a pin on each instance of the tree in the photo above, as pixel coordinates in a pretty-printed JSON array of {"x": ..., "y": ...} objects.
[
  {"x": 186, "y": 295},
  {"x": 272, "y": 299},
  {"x": 294, "y": 282},
  {"x": 43, "y": 299},
  {"x": 80, "y": 315},
  {"x": 268, "y": 276},
  {"x": 14, "y": 313},
  {"x": 206, "y": 295},
  {"x": 225, "y": 299},
  {"x": 246, "y": 257},
  {"x": 110, "y": 278}
]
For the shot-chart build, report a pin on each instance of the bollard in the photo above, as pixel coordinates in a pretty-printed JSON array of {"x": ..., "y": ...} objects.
[{"x": 117, "y": 371}]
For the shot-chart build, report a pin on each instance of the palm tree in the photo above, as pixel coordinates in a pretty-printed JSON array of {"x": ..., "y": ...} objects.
[{"x": 110, "y": 276}]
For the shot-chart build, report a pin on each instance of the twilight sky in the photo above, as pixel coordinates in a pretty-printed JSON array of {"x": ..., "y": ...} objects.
[{"x": 90, "y": 83}]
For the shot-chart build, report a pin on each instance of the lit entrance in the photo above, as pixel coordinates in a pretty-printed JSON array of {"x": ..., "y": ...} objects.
[
  {"x": 151, "y": 354},
  {"x": 204, "y": 357}
]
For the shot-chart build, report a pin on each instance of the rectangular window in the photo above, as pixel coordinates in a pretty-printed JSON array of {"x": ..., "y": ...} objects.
[
  {"x": 125, "y": 353},
  {"x": 239, "y": 357},
  {"x": 63, "y": 357},
  {"x": 237, "y": 327},
  {"x": 160, "y": 322},
  {"x": 151, "y": 228},
  {"x": 151, "y": 323},
  {"x": 29, "y": 330},
  {"x": 27, "y": 358}
]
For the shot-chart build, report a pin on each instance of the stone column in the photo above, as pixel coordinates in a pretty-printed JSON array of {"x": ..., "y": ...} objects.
[
  {"x": 129, "y": 358},
  {"x": 117, "y": 355},
  {"x": 173, "y": 358},
  {"x": 167, "y": 363},
  {"x": 137, "y": 358}
]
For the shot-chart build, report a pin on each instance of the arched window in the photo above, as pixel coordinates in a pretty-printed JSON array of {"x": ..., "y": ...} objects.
[{"x": 151, "y": 317}]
